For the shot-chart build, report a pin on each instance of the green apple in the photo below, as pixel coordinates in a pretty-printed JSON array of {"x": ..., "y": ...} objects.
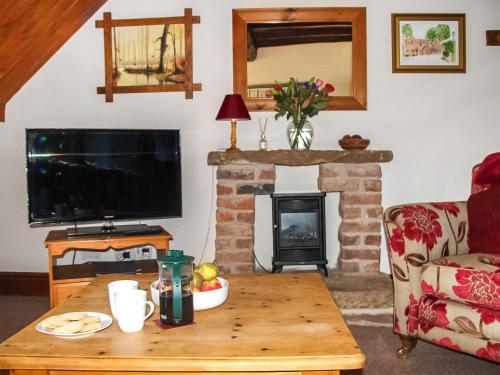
[{"x": 208, "y": 271}]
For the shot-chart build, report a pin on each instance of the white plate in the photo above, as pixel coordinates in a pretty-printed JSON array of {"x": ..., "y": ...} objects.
[{"x": 106, "y": 321}]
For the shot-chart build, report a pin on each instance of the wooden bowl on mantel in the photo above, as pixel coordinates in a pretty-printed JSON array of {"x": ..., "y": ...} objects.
[{"x": 354, "y": 142}]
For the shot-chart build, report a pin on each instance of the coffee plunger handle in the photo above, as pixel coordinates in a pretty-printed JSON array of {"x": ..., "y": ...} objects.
[{"x": 177, "y": 291}]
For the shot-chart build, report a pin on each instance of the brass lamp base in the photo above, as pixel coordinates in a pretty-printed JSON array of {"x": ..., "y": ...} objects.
[{"x": 233, "y": 147}]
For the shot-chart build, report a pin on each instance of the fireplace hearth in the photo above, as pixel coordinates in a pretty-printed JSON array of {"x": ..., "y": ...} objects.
[
  {"x": 299, "y": 231},
  {"x": 354, "y": 174}
]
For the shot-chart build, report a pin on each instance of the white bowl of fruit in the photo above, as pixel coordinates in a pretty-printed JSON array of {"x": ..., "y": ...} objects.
[{"x": 209, "y": 290}]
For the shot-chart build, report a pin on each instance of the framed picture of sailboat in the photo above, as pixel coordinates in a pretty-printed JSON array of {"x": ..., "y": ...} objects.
[{"x": 148, "y": 55}]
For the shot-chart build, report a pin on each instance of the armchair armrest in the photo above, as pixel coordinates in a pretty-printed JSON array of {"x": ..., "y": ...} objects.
[{"x": 416, "y": 234}]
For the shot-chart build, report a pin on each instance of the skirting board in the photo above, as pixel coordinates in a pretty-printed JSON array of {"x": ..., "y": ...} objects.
[{"x": 24, "y": 283}]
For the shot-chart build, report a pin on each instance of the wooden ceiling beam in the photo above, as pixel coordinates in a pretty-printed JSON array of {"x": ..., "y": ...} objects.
[{"x": 32, "y": 32}]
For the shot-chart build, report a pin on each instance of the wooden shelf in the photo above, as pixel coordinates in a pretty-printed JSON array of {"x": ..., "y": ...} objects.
[
  {"x": 66, "y": 280},
  {"x": 86, "y": 270}
]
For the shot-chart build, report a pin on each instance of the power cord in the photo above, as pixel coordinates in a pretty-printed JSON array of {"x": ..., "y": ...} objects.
[
  {"x": 260, "y": 265},
  {"x": 210, "y": 215}
]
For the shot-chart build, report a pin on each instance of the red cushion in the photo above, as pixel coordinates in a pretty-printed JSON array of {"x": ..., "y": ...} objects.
[
  {"x": 489, "y": 170},
  {"x": 483, "y": 210}
]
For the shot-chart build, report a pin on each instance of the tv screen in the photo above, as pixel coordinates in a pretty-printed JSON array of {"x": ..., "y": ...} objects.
[{"x": 103, "y": 174}]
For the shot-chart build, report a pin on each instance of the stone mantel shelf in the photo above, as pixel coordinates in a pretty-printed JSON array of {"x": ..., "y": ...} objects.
[{"x": 299, "y": 158}]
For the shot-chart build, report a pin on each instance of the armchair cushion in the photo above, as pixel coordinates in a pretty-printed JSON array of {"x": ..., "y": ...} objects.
[
  {"x": 483, "y": 211},
  {"x": 458, "y": 317},
  {"x": 473, "y": 279},
  {"x": 488, "y": 172}
]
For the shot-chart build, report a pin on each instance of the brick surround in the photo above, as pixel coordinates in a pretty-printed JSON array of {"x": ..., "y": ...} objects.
[{"x": 360, "y": 188}]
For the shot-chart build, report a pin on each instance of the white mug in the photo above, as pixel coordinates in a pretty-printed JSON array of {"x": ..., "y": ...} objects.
[
  {"x": 115, "y": 286},
  {"x": 130, "y": 308}
]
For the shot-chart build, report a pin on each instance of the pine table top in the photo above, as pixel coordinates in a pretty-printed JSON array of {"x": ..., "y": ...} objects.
[{"x": 270, "y": 322}]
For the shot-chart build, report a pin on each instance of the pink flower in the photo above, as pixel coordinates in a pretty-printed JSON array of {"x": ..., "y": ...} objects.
[
  {"x": 319, "y": 83},
  {"x": 411, "y": 312},
  {"x": 491, "y": 352},
  {"x": 449, "y": 207},
  {"x": 268, "y": 94},
  {"x": 432, "y": 313},
  {"x": 447, "y": 343},
  {"x": 329, "y": 88},
  {"x": 397, "y": 241},
  {"x": 420, "y": 224},
  {"x": 479, "y": 287}
]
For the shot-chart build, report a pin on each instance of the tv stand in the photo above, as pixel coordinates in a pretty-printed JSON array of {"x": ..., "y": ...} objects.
[
  {"x": 112, "y": 230},
  {"x": 66, "y": 280}
]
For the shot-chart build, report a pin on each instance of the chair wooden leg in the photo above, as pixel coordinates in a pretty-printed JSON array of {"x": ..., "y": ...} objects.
[{"x": 408, "y": 344}]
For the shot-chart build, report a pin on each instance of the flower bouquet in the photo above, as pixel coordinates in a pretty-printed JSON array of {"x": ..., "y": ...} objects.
[{"x": 297, "y": 101}]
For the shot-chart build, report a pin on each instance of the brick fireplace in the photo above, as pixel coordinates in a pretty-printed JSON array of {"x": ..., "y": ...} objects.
[{"x": 356, "y": 175}]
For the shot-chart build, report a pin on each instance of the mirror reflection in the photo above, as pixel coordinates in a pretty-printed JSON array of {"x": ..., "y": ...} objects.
[{"x": 278, "y": 51}]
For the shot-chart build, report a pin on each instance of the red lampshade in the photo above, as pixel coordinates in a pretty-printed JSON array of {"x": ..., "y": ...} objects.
[{"x": 233, "y": 108}]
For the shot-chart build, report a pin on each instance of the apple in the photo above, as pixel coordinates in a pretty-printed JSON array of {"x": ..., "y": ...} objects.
[
  {"x": 210, "y": 285},
  {"x": 208, "y": 271}
]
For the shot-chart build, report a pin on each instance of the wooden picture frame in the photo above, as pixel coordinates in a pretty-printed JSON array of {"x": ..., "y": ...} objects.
[
  {"x": 355, "y": 16},
  {"x": 126, "y": 56},
  {"x": 428, "y": 43}
]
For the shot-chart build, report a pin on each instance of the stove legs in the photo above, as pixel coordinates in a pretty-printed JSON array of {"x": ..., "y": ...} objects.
[{"x": 322, "y": 269}]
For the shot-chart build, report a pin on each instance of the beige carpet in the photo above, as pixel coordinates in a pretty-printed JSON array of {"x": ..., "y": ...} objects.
[{"x": 378, "y": 343}]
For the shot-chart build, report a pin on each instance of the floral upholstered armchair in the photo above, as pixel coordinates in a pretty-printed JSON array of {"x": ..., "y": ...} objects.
[{"x": 444, "y": 291}]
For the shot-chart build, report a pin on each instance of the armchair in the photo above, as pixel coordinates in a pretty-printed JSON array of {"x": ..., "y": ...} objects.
[{"x": 444, "y": 293}]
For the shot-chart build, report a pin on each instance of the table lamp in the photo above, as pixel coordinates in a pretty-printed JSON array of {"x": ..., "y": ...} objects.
[{"x": 233, "y": 108}]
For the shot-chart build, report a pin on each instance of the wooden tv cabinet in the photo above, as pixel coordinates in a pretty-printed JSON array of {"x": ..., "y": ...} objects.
[{"x": 64, "y": 281}]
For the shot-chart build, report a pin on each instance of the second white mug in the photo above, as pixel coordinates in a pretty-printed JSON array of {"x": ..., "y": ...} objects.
[
  {"x": 130, "y": 308},
  {"x": 115, "y": 286}
]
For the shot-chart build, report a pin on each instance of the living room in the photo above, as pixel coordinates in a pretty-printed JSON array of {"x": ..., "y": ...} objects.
[{"x": 437, "y": 125}]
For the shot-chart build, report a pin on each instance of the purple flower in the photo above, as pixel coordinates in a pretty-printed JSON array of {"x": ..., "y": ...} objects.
[
  {"x": 306, "y": 84},
  {"x": 314, "y": 86}
]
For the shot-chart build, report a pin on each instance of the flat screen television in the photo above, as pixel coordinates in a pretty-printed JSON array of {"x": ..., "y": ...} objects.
[{"x": 78, "y": 175}]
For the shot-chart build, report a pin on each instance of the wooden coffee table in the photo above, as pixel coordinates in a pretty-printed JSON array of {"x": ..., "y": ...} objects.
[{"x": 270, "y": 323}]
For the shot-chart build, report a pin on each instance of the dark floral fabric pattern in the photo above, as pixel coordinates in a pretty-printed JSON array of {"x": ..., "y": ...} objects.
[
  {"x": 479, "y": 287},
  {"x": 432, "y": 313},
  {"x": 412, "y": 313},
  {"x": 488, "y": 316},
  {"x": 447, "y": 343},
  {"x": 397, "y": 242},
  {"x": 449, "y": 207},
  {"x": 491, "y": 352},
  {"x": 421, "y": 225},
  {"x": 429, "y": 290}
]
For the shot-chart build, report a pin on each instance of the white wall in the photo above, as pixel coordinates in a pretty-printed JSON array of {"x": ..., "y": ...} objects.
[{"x": 437, "y": 125}]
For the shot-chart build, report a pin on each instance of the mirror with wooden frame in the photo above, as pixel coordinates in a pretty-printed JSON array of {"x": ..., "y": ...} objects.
[{"x": 275, "y": 44}]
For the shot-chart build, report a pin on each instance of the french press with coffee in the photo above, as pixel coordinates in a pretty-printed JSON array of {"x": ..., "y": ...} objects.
[{"x": 176, "y": 296}]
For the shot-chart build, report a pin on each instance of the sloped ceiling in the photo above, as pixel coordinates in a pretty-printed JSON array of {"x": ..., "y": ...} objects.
[{"x": 31, "y": 31}]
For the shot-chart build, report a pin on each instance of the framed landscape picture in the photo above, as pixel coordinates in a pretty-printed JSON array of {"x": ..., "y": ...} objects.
[
  {"x": 428, "y": 43},
  {"x": 148, "y": 55}
]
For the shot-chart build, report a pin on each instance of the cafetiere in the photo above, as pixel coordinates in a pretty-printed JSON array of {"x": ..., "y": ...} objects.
[{"x": 176, "y": 296}]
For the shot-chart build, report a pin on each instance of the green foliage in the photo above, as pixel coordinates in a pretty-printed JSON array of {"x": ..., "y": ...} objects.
[
  {"x": 407, "y": 30},
  {"x": 297, "y": 101},
  {"x": 439, "y": 32},
  {"x": 449, "y": 46}
]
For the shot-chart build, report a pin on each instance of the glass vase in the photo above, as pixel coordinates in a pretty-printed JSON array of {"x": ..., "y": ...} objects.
[{"x": 300, "y": 138}]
